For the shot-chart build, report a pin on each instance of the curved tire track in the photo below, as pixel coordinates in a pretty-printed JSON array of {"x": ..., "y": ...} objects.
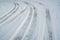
[{"x": 5, "y": 17}]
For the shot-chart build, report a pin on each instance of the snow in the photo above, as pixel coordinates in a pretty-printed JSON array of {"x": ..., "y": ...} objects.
[{"x": 12, "y": 23}]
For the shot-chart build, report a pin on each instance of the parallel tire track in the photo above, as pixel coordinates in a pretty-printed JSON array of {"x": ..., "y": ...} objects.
[{"x": 5, "y": 17}]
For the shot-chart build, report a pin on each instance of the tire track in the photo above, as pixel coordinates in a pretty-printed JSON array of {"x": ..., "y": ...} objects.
[
  {"x": 24, "y": 27},
  {"x": 20, "y": 14},
  {"x": 8, "y": 12},
  {"x": 5, "y": 17},
  {"x": 18, "y": 29},
  {"x": 28, "y": 30},
  {"x": 48, "y": 23}
]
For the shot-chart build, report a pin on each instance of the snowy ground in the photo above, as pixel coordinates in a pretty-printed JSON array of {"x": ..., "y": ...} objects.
[{"x": 14, "y": 14}]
